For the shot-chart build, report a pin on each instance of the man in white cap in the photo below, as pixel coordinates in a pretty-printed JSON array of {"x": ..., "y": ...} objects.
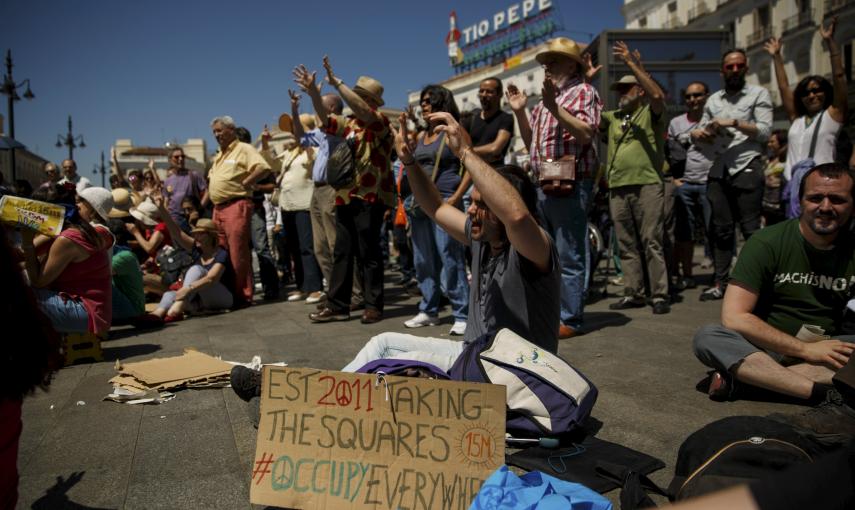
[
  {"x": 636, "y": 154},
  {"x": 360, "y": 207},
  {"x": 561, "y": 131}
]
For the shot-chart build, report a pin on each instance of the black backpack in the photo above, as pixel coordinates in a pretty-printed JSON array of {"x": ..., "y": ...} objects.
[
  {"x": 736, "y": 450},
  {"x": 341, "y": 166}
]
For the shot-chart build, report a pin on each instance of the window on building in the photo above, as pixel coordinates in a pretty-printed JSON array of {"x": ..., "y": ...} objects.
[
  {"x": 672, "y": 7},
  {"x": 761, "y": 18},
  {"x": 642, "y": 22},
  {"x": 804, "y": 5}
]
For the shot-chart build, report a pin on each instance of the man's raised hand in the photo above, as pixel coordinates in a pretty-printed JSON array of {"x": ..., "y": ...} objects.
[
  {"x": 549, "y": 92},
  {"x": 828, "y": 33},
  {"x": 457, "y": 139},
  {"x": 295, "y": 98},
  {"x": 516, "y": 98},
  {"x": 773, "y": 46},
  {"x": 331, "y": 79},
  {"x": 402, "y": 140},
  {"x": 305, "y": 80},
  {"x": 590, "y": 69}
]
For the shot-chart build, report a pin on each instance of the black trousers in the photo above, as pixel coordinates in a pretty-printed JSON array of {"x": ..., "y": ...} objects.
[
  {"x": 736, "y": 199},
  {"x": 357, "y": 228}
]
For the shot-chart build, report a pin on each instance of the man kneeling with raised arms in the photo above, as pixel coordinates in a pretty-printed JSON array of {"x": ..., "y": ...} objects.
[
  {"x": 788, "y": 277},
  {"x": 515, "y": 271}
]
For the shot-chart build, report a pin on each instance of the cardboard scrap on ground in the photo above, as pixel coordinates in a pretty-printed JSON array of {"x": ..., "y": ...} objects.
[{"x": 192, "y": 369}]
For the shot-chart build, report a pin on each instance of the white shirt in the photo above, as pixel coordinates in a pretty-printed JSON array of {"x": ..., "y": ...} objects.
[
  {"x": 295, "y": 182},
  {"x": 799, "y": 137},
  {"x": 80, "y": 182}
]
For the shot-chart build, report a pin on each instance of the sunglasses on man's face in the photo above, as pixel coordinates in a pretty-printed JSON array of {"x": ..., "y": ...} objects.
[
  {"x": 735, "y": 67},
  {"x": 696, "y": 95}
]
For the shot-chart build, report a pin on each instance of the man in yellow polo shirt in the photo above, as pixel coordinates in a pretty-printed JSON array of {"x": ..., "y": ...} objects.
[{"x": 237, "y": 167}]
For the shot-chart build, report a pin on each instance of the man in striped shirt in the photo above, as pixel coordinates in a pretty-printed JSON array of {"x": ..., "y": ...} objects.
[{"x": 562, "y": 125}]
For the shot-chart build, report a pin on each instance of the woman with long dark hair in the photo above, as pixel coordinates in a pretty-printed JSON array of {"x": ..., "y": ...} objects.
[
  {"x": 816, "y": 109},
  {"x": 440, "y": 261}
]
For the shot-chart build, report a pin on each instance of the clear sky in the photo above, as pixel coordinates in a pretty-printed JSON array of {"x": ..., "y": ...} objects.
[{"x": 155, "y": 71}]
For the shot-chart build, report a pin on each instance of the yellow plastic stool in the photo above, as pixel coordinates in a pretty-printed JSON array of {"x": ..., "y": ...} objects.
[{"x": 81, "y": 348}]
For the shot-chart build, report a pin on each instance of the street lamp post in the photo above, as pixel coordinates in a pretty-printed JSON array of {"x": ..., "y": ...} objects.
[
  {"x": 70, "y": 141},
  {"x": 102, "y": 170},
  {"x": 9, "y": 88}
]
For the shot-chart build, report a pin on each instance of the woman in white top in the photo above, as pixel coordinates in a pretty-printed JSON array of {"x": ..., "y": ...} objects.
[
  {"x": 812, "y": 97},
  {"x": 295, "y": 195}
]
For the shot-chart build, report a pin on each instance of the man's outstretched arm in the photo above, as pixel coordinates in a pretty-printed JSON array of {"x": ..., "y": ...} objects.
[{"x": 523, "y": 232}]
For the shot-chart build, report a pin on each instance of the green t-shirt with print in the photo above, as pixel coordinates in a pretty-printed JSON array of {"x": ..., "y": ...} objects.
[
  {"x": 128, "y": 278},
  {"x": 796, "y": 283},
  {"x": 640, "y": 155}
]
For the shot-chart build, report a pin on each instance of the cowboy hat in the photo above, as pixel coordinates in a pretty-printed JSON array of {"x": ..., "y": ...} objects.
[
  {"x": 627, "y": 79},
  {"x": 205, "y": 226},
  {"x": 367, "y": 86},
  {"x": 563, "y": 47},
  {"x": 121, "y": 203}
]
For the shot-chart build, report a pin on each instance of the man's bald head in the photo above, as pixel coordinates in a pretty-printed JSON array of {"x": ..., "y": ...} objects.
[{"x": 333, "y": 103}]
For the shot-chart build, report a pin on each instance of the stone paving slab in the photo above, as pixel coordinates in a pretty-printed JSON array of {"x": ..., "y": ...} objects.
[{"x": 196, "y": 450}]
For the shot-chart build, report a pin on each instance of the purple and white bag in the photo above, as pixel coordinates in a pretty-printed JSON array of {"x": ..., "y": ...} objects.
[{"x": 546, "y": 395}]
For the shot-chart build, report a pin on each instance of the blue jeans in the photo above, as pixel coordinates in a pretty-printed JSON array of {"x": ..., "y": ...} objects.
[
  {"x": 66, "y": 315},
  {"x": 300, "y": 244},
  {"x": 266, "y": 266},
  {"x": 440, "y": 263},
  {"x": 211, "y": 297},
  {"x": 566, "y": 220},
  {"x": 691, "y": 198}
]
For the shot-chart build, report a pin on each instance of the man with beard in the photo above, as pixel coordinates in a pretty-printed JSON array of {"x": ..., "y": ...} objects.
[
  {"x": 636, "y": 134},
  {"x": 735, "y": 126},
  {"x": 490, "y": 128},
  {"x": 790, "y": 277},
  {"x": 560, "y": 130}
]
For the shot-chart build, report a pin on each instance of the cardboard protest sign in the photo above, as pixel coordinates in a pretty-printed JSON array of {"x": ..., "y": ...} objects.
[
  {"x": 343, "y": 440},
  {"x": 39, "y": 216}
]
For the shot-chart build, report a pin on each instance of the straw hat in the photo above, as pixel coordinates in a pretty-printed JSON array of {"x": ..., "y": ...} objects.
[
  {"x": 100, "y": 199},
  {"x": 205, "y": 226},
  {"x": 367, "y": 86},
  {"x": 147, "y": 213},
  {"x": 564, "y": 47},
  {"x": 627, "y": 79},
  {"x": 121, "y": 204}
]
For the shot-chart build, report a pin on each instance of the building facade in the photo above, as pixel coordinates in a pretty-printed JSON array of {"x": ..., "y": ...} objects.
[
  {"x": 130, "y": 156},
  {"x": 753, "y": 22}
]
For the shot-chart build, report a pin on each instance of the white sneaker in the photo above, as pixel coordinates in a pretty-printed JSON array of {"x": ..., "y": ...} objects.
[
  {"x": 316, "y": 297},
  {"x": 422, "y": 319},
  {"x": 458, "y": 329}
]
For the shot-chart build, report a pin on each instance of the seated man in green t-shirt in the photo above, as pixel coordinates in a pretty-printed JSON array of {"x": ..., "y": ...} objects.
[
  {"x": 793, "y": 277},
  {"x": 128, "y": 293}
]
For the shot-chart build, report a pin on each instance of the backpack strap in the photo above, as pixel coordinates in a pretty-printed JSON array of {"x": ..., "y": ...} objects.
[{"x": 815, "y": 134}]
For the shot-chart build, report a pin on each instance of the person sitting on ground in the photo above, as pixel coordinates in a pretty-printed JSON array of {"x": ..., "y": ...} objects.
[
  {"x": 72, "y": 283},
  {"x": 128, "y": 290},
  {"x": 206, "y": 284},
  {"x": 191, "y": 211},
  {"x": 149, "y": 230},
  {"x": 791, "y": 277}
]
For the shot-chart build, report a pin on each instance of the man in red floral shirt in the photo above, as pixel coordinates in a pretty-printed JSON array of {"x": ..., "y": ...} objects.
[{"x": 360, "y": 209}]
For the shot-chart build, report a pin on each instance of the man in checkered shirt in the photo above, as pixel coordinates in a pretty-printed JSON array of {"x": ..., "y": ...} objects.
[{"x": 563, "y": 124}]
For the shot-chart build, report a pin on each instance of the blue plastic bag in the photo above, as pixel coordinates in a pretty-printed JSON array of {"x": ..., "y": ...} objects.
[{"x": 504, "y": 490}]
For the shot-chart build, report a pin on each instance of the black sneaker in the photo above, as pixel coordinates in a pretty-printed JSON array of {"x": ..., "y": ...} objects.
[
  {"x": 722, "y": 386},
  {"x": 831, "y": 417},
  {"x": 712, "y": 294},
  {"x": 661, "y": 306},
  {"x": 246, "y": 382},
  {"x": 628, "y": 302}
]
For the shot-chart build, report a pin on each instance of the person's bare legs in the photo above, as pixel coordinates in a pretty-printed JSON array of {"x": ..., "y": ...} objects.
[{"x": 758, "y": 369}]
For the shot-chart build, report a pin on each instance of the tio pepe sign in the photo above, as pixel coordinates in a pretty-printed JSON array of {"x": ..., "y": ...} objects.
[
  {"x": 347, "y": 441},
  {"x": 503, "y": 19}
]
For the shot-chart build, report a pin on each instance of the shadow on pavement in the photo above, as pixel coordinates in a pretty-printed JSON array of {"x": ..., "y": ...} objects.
[
  {"x": 129, "y": 351},
  {"x": 599, "y": 320},
  {"x": 55, "y": 497}
]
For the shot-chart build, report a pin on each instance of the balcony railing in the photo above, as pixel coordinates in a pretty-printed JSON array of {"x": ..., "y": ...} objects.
[
  {"x": 722, "y": 3},
  {"x": 698, "y": 10},
  {"x": 759, "y": 36},
  {"x": 800, "y": 20},
  {"x": 835, "y": 6}
]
